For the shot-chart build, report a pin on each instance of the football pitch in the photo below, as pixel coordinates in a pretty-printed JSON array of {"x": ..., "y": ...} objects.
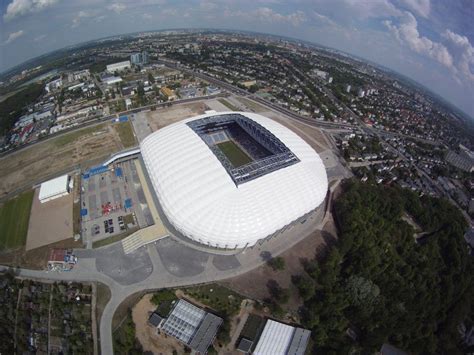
[
  {"x": 14, "y": 218},
  {"x": 236, "y": 156}
]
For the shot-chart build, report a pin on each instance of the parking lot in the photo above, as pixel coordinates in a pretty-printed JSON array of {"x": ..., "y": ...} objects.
[{"x": 112, "y": 201}]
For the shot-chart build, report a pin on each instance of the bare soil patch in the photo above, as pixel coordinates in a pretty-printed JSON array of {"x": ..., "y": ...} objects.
[
  {"x": 52, "y": 157},
  {"x": 165, "y": 116},
  {"x": 50, "y": 222}
]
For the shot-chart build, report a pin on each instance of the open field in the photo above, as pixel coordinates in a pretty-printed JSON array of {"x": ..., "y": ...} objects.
[
  {"x": 124, "y": 130},
  {"x": 236, "y": 156},
  {"x": 50, "y": 222},
  {"x": 58, "y": 155},
  {"x": 36, "y": 258},
  {"x": 14, "y": 217},
  {"x": 254, "y": 106},
  {"x": 228, "y": 105},
  {"x": 165, "y": 116}
]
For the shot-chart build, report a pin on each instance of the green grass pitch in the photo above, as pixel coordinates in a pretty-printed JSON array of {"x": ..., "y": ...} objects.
[
  {"x": 236, "y": 156},
  {"x": 14, "y": 219}
]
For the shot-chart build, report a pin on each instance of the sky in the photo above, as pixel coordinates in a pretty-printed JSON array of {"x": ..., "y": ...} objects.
[{"x": 430, "y": 41}]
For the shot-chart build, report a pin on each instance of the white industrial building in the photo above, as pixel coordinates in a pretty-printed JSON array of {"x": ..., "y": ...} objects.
[
  {"x": 111, "y": 68},
  {"x": 110, "y": 80},
  {"x": 282, "y": 339},
  {"x": 212, "y": 202},
  {"x": 54, "y": 188}
]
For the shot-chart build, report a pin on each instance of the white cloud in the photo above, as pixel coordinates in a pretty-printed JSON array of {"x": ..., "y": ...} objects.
[
  {"x": 14, "y": 36},
  {"x": 24, "y": 7},
  {"x": 462, "y": 51},
  {"x": 267, "y": 15},
  {"x": 322, "y": 18},
  {"x": 365, "y": 9},
  {"x": 407, "y": 33},
  {"x": 117, "y": 8},
  {"x": 40, "y": 38},
  {"x": 421, "y": 7},
  {"x": 76, "y": 21}
]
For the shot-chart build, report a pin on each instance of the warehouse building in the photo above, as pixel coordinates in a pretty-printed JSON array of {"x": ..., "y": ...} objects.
[
  {"x": 111, "y": 68},
  {"x": 282, "y": 339},
  {"x": 192, "y": 326},
  {"x": 55, "y": 188}
]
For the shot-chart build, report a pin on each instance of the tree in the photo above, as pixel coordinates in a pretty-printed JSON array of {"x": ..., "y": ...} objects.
[
  {"x": 305, "y": 285},
  {"x": 277, "y": 263},
  {"x": 151, "y": 79}
]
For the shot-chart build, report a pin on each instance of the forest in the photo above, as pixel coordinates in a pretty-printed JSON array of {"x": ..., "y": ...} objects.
[
  {"x": 14, "y": 106},
  {"x": 379, "y": 284}
]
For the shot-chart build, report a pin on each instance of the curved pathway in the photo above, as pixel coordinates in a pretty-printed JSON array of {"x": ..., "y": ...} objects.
[{"x": 167, "y": 263}]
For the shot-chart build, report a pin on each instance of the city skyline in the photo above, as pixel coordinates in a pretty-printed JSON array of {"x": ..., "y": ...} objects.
[{"x": 429, "y": 41}]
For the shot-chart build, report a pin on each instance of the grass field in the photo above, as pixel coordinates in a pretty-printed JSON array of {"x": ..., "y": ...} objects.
[
  {"x": 228, "y": 105},
  {"x": 14, "y": 218},
  {"x": 236, "y": 156},
  {"x": 63, "y": 140},
  {"x": 124, "y": 129}
]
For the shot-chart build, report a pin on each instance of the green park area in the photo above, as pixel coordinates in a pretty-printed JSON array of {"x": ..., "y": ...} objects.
[
  {"x": 125, "y": 132},
  {"x": 236, "y": 156},
  {"x": 14, "y": 218}
]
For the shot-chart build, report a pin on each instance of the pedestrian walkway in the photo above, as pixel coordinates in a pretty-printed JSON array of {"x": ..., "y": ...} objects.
[{"x": 143, "y": 237}]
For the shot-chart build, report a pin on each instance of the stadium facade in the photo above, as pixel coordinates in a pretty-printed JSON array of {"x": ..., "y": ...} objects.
[{"x": 228, "y": 180}]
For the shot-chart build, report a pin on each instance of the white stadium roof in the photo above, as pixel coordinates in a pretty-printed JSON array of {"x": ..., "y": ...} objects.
[{"x": 203, "y": 202}]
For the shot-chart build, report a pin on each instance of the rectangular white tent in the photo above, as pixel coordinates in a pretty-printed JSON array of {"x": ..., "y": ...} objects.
[
  {"x": 54, "y": 188},
  {"x": 282, "y": 339}
]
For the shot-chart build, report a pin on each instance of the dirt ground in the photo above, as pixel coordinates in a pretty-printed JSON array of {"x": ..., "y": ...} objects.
[
  {"x": 50, "y": 222},
  {"x": 253, "y": 284},
  {"x": 158, "y": 344},
  {"x": 165, "y": 116},
  {"x": 43, "y": 160}
]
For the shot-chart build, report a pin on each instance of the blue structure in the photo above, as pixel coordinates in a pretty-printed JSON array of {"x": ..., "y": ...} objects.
[
  {"x": 83, "y": 212},
  {"x": 123, "y": 118},
  {"x": 128, "y": 203},
  {"x": 97, "y": 170},
  {"x": 118, "y": 172}
]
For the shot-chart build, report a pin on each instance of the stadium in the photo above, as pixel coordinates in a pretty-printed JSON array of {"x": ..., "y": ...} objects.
[{"x": 229, "y": 180}]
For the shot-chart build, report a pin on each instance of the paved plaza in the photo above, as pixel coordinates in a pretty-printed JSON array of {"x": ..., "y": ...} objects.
[{"x": 111, "y": 194}]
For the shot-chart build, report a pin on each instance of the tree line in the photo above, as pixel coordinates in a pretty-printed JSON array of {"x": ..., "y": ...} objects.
[{"x": 378, "y": 284}]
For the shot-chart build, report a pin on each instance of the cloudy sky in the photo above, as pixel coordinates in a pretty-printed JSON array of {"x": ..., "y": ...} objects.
[{"x": 431, "y": 41}]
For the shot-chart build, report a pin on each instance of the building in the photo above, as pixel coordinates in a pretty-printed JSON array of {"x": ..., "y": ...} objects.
[
  {"x": 139, "y": 58},
  {"x": 112, "y": 68},
  {"x": 361, "y": 93},
  {"x": 54, "y": 85},
  {"x": 168, "y": 93},
  {"x": 464, "y": 160},
  {"x": 348, "y": 88},
  {"x": 282, "y": 339},
  {"x": 320, "y": 74},
  {"x": 231, "y": 180},
  {"x": 111, "y": 80},
  {"x": 81, "y": 75},
  {"x": 54, "y": 188},
  {"x": 248, "y": 83},
  {"x": 192, "y": 326}
]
